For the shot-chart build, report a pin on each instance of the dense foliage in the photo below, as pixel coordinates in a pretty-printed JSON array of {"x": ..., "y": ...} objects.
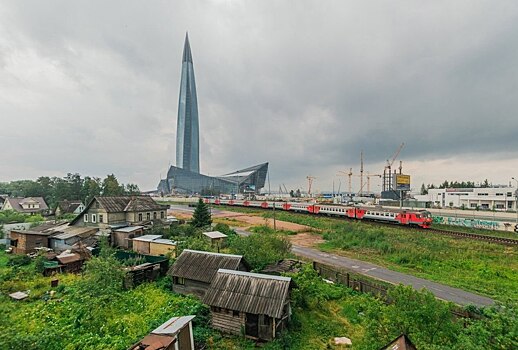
[
  {"x": 11, "y": 216},
  {"x": 260, "y": 249},
  {"x": 70, "y": 187}
]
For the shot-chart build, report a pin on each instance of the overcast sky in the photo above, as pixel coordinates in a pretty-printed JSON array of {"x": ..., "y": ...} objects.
[{"x": 92, "y": 87}]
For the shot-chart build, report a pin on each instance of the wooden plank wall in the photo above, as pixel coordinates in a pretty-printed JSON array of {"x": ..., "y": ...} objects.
[{"x": 226, "y": 322}]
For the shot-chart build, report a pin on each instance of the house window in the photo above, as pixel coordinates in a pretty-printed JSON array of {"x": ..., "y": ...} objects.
[
  {"x": 235, "y": 313},
  {"x": 101, "y": 218},
  {"x": 14, "y": 242},
  {"x": 86, "y": 217},
  {"x": 94, "y": 218},
  {"x": 161, "y": 215},
  {"x": 509, "y": 194},
  {"x": 154, "y": 215},
  {"x": 140, "y": 217},
  {"x": 148, "y": 216},
  {"x": 180, "y": 280}
]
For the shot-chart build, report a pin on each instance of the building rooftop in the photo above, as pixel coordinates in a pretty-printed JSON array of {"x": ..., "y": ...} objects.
[{"x": 215, "y": 234}]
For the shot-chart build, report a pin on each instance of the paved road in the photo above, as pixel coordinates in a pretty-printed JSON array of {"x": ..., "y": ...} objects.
[{"x": 441, "y": 291}]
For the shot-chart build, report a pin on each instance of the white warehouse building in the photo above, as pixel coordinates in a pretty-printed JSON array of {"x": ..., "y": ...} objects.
[{"x": 490, "y": 198}]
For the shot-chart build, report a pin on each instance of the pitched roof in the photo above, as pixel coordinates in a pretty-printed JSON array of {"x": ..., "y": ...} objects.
[
  {"x": 214, "y": 234},
  {"x": 69, "y": 206},
  {"x": 248, "y": 292},
  {"x": 202, "y": 266},
  {"x": 16, "y": 204},
  {"x": 128, "y": 203},
  {"x": 119, "y": 204}
]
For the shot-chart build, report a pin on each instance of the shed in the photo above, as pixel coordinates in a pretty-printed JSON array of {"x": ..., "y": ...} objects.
[
  {"x": 215, "y": 237},
  {"x": 400, "y": 343},
  {"x": 256, "y": 303},
  {"x": 24, "y": 242},
  {"x": 175, "y": 334},
  {"x": 194, "y": 270},
  {"x": 122, "y": 237},
  {"x": 153, "y": 245}
]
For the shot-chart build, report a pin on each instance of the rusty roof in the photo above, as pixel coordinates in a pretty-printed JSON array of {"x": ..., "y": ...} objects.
[
  {"x": 249, "y": 292},
  {"x": 154, "y": 342},
  {"x": 202, "y": 266}
]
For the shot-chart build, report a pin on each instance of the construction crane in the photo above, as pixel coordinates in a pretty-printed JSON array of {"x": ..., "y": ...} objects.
[
  {"x": 349, "y": 175},
  {"x": 387, "y": 172},
  {"x": 369, "y": 180},
  {"x": 310, "y": 182}
]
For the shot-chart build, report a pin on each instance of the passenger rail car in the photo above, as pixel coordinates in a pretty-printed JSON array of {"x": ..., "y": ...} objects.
[{"x": 420, "y": 218}]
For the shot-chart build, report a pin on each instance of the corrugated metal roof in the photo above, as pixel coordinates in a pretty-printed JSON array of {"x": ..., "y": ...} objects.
[
  {"x": 202, "y": 266},
  {"x": 68, "y": 258},
  {"x": 164, "y": 241},
  {"x": 173, "y": 326},
  {"x": 147, "y": 238},
  {"x": 129, "y": 229},
  {"x": 214, "y": 234},
  {"x": 248, "y": 292}
]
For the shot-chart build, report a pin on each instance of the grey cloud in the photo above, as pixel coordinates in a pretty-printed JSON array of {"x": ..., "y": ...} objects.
[{"x": 305, "y": 85}]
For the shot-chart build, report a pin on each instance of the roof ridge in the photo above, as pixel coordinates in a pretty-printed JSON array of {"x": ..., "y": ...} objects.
[
  {"x": 212, "y": 253},
  {"x": 253, "y": 274}
]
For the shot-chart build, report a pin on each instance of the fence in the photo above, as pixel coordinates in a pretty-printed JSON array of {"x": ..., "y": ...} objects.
[
  {"x": 364, "y": 285},
  {"x": 350, "y": 280}
]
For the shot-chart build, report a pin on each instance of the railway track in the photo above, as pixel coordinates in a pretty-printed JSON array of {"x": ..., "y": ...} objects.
[{"x": 492, "y": 239}]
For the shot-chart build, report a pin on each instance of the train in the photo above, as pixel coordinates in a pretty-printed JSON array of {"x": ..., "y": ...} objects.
[{"x": 416, "y": 218}]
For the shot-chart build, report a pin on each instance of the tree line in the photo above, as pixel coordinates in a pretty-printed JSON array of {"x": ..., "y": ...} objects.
[
  {"x": 70, "y": 187},
  {"x": 456, "y": 184}
]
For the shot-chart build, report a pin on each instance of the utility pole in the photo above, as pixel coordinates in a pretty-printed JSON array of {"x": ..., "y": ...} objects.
[
  {"x": 516, "y": 205},
  {"x": 361, "y": 173},
  {"x": 273, "y": 209}
]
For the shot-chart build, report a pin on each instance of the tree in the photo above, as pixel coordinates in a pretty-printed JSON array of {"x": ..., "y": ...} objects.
[
  {"x": 111, "y": 186},
  {"x": 201, "y": 216},
  {"x": 91, "y": 188},
  {"x": 423, "y": 189},
  {"x": 132, "y": 189}
]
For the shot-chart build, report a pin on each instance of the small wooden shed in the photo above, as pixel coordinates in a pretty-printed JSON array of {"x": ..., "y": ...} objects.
[
  {"x": 215, "y": 237},
  {"x": 175, "y": 334},
  {"x": 256, "y": 303},
  {"x": 194, "y": 270},
  {"x": 400, "y": 343},
  {"x": 122, "y": 237}
]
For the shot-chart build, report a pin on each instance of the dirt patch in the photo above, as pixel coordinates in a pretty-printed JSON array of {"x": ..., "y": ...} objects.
[
  {"x": 306, "y": 239},
  {"x": 249, "y": 220}
]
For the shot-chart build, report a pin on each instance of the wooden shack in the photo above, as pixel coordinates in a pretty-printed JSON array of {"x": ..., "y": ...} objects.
[
  {"x": 154, "y": 245},
  {"x": 255, "y": 303},
  {"x": 400, "y": 343},
  {"x": 194, "y": 270},
  {"x": 24, "y": 242},
  {"x": 175, "y": 334},
  {"x": 216, "y": 238},
  {"x": 122, "y": 237}
]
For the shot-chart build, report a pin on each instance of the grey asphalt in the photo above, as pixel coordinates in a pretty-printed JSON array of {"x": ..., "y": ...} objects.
[{"x": 440, "y": 291}]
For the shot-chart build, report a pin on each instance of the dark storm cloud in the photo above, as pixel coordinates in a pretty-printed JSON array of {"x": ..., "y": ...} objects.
[{"x": 305, "y": 85}]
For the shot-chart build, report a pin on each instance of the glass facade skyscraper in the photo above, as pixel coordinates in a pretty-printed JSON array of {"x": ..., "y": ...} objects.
[{"x": 188, "y": 129}]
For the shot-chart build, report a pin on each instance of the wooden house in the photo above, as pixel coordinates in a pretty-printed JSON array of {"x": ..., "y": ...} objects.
[
  {"x": 120, "y": 211},
  {"x": 29, "y": 205},
  {"x": 69, "y": 207},
  {"x": 175, "y": 334},
  {"x": 255, "y": 303},
  {"x": 194, "y": 270}
]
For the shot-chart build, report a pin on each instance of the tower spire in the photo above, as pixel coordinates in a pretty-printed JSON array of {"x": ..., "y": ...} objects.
[{"x": 187, "y": 56}]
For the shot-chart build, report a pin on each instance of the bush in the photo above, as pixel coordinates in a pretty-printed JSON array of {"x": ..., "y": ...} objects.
[
  {"x": 260, "y": 250},
  {"x": 19, "y": 260}
]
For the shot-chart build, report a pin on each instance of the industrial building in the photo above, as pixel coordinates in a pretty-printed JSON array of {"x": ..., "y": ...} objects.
[{"x": 487, "y": 198}]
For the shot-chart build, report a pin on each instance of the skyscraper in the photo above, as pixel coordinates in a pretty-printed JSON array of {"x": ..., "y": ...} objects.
[{"x": 187, "y": 130}]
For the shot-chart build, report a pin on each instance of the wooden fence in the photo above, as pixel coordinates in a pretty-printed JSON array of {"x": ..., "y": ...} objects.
[{"x": 350, "y": 280}]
